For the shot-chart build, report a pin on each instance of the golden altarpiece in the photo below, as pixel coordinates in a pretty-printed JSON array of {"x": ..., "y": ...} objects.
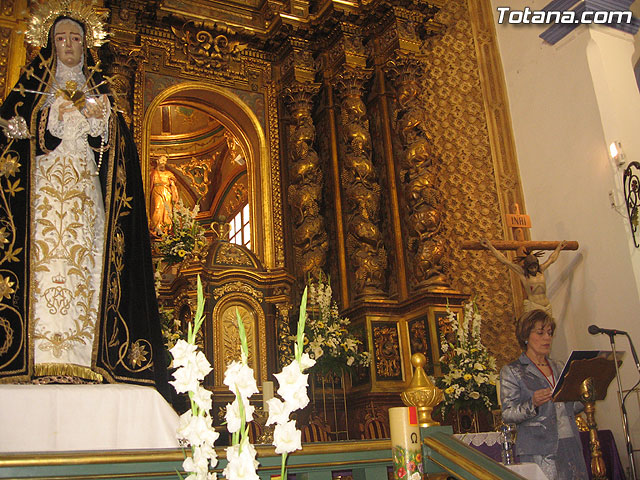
[{"x": 362, "y": 140}]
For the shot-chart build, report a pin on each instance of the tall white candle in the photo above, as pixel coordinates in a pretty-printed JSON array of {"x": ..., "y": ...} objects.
[
  {"x": 405, "y": 440},
  {"x": 267, "y": 393}
]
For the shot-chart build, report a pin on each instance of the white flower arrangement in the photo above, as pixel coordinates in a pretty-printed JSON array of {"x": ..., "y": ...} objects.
[
  {"x": 331, "y": 344},
  {"x": 469, "y": 371},
  {"x": 195, "y": 425},
  {"x": 293, "y": 389}
]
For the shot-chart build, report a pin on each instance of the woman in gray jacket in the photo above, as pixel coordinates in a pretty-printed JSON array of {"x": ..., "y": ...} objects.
[{"x": 547, "y": 431}]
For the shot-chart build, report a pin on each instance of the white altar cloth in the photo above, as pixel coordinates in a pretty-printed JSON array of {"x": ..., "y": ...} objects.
[
  {"x": 530, "y": 471},
  {"x": 44, "y": 418}
]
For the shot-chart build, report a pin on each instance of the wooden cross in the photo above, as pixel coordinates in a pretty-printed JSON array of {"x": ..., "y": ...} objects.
[{"x": 519, "y": 222}]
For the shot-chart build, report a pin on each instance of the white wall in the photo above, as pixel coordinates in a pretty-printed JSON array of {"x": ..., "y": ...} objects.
[{"x": 568, "y": 102}]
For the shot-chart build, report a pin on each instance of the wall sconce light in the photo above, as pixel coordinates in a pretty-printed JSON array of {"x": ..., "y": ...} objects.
[{"x": 617, "y": 155}]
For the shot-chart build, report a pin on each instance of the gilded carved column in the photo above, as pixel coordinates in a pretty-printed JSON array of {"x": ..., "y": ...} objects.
[
  {"x": 397, "y": 36},
  {"x": 124, "y": 55},
  {"x": 305, "y": 188},
  {"x": 121, "y": 67},
  {"x": 365, "y": 248},
  {"x": 418, "y": 174},
  {"x": 310, "y": 239}
]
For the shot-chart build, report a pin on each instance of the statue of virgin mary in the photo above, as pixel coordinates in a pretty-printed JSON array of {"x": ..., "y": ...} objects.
[{"x": 76, "y": 277}]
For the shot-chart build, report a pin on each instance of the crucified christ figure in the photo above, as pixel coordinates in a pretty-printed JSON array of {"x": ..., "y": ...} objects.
[{"x": 531, "y": 274}]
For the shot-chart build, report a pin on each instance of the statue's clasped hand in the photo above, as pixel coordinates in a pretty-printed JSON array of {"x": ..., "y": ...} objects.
[{"x": 95, "y": 107}]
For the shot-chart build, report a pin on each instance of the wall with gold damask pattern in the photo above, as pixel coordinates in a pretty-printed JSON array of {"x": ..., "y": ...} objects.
[{"x": 470, "y": 125}]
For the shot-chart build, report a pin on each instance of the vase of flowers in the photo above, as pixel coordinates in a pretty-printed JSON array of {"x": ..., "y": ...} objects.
[
  {"x": 334, "y": 348},
  {"x": 336, "y": 351},
  {"x": 469, "y": 373},
  {"x": 184, "y": 239}
]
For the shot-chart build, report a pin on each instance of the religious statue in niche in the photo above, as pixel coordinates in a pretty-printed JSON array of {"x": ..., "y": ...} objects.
[
  {"x": 531, "y": 274},
  {"x": 164, "y": 195}
]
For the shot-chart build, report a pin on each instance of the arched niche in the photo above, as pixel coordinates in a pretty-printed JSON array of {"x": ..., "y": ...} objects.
[{"x": 238, "y": 118}]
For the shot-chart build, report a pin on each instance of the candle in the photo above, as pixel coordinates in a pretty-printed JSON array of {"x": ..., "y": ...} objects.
[
  {"x": 405, "y": 439},
  {"x": 498, "y": 392},
  {"x": 267, "y": 394}
]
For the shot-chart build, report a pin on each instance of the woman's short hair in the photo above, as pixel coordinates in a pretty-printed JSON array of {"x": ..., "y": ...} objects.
[{"x": 528, "y": 321}]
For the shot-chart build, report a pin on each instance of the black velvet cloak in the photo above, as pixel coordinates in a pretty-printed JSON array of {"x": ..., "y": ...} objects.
[{"x": 128, "y": 344}]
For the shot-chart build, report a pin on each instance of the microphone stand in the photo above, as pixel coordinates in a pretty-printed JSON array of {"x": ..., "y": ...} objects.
[{"x": 625, "y": 420}]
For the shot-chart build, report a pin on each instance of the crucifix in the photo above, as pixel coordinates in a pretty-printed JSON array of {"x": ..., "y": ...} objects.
[{"x": 526, "y": 264}]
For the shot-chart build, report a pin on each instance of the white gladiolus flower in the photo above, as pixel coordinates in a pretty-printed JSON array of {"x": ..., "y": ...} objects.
[
  {"x": 297, "y": 399},
  {"x": 202, "y": 398},
  {"x": 182, "y": 352},
  {"x": 196, "y": 429},
  {"x": 290, "y": 380},
  {"x": 202, "y": 365},
  {"x": 186, "y": 379},
  {"x": 287, "y": 438},
  {"x": 239, "y": 378},
  {"x": 279, "y": 411},
  {"x": 242, "y": 462},
  {"x": 306, "y": 362},
  {"x": 232, "y": 415}
]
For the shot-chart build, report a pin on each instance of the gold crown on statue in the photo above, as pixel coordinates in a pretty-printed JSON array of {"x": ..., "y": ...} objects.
[{"x": 44, "y": 14}]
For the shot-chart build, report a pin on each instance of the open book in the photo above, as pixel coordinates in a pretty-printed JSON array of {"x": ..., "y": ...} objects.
[{"x": 583, "y": 355}]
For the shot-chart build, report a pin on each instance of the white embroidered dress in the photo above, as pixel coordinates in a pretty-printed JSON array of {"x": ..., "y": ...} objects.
[{"x": 67, "y": 236}]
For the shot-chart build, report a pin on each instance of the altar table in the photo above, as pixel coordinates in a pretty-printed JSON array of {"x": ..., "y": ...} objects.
[
  {"x": 50, "y": 418},
  {"x": 489, "y": 444}
]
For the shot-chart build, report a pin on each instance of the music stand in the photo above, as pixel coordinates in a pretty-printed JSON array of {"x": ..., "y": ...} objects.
[{"x": 586, "y": 380}]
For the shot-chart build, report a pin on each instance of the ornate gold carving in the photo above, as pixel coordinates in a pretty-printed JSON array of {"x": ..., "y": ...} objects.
[
  {"x": 588, "y": 398},
  {"x": 122, "y": 69},
  {"x": 225, "y": 333},
  {"x": 239, "y": 287},
  {"x": 236, "y": 199},
  {"x": 418, "y": 336},
  {"x": 386, "y": 351},
  {"x": 274, "y": 149},
  {"x": 231, "y": 335},
  {"x": 197, "y": 170},
  {"x": 365, "y": 247},
  {"x": 305, "y": 189},
  {"x": 418, "y": 174},
  {"x": 214, "y": 49},
  {"x": 7, "y": 8},
  {"x": 285, "y": 344},
  {"x": 232, "y": 254},
  {"x": 5, "y": 41},
  {"x": 298, "y": 65},
  {"x": 461, "y": 64}
]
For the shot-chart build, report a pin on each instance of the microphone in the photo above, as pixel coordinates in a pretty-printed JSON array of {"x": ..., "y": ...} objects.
[{"x": 593, "y": 330}]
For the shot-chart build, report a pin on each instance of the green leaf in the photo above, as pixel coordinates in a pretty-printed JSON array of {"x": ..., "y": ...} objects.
[
  {"x": 199, "y": 317},
  {"x": 243, "y": 338},
  {"x": 302, "y": 319}
]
